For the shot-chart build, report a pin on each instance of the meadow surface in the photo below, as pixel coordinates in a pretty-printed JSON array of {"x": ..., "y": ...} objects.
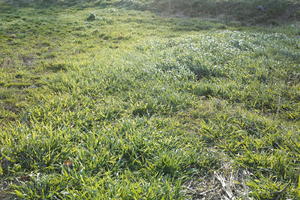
[{"x": 136, "y": 105}]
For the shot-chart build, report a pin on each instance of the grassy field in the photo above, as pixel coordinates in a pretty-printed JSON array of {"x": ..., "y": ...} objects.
[{"x": 139, "y": 105}]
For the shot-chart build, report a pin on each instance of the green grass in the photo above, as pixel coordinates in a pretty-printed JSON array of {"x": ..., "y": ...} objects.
[{"x": 133, "y": 105}]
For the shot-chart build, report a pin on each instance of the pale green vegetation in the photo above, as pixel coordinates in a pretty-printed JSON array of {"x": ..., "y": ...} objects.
[{"x": 132, "y": 104}]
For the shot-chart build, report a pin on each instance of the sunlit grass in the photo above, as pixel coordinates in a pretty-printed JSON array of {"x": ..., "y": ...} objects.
[{"x": 136, "y": 106}]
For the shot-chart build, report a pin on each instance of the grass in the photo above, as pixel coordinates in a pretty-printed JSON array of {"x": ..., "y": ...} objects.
[
  {"x": 134, "y": 105},
  {"x": 248, "y": 11}
]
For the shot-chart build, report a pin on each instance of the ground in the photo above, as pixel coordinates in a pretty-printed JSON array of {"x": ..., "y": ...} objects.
[{"x": 138, "y": 105}]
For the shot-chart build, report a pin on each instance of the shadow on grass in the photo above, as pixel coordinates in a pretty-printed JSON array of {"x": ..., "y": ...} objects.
[{"x": 244, "y": 11}]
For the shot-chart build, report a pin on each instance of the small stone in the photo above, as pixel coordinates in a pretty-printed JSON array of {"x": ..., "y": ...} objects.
[
  {"x": 91, "y": 17},
  {"x": 261, "y": 8}
]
